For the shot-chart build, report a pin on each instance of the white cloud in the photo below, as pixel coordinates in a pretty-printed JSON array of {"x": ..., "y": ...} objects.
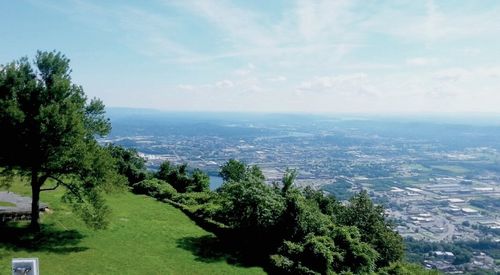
[
  {"x": 314, "y": 55},
  {"x": 224, "y": 84},
  {"x": 278, "y": 78},
  {"x": 240, "y": 25},
  {"x": 245, "y": 71},
  {"x": 434, "y": 25},
  {"x": 421, "y": 61},
  {"x": 349, "y": 85},
  {"x": 185, "y": 87}
]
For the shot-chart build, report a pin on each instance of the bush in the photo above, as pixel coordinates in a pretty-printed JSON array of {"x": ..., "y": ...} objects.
[
  {"x": 251, "y": 205},
  {"x": 181, "y": 180},
  {"x": 128, "y": 163},
  {"x": 150, "y": 187},
  {"x": 399, "y": 268},
  {"x": 167, "y": 191},
  {"x": 319, "y": 254},
  {"x": 370, "y": 219},
  {"x": 211, "y": 210},
  {"x": 194, "y": 198},
  {"x": 199, "y": 181},
  {"x": 282, "y": 264}
]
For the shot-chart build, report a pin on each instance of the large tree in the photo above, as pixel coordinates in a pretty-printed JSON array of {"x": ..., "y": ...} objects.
[
  {"x": 375, "y": 229},
  {"x": 48, "y": 133}
]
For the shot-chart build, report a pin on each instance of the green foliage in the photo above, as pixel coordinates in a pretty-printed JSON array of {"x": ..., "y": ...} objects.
[
  {"x": 210, "y": 210},
  {"x": 299, "y": 231},
  {"x": 7, "y": 177},
  {"x": 200, "y": 181},
  {"x": 150, "y": 187},
  {"x": 254, "y": 171},
  {"x": 341, "y": 189},
  {"x": 250, "y": 203},
  {"x": 462, "y": 257},
  {"x": 49, "y": 128},
  {"x": 167, "y": 191},
  {"x": 302, "y": 217},
  {"x": 288, "y": 180},
  {"x": 328, "y": 205},
  {"x": 91, "y": 207},
  {"x": 283, "y": 265},
  {"x": 181, "y": 180},
  {"x": 155, "y": 188},
  {"x": 233, "y": 170},
  {"x": 166, "y": 171},
  {"x": 400, "y": 268},
  {"x": 319, "y": 254},
  {"x": 128, "y": 163},
  {"x": 463, "y": 251},
  {"x": 357, "y": 256},
  {"x": 195, "y": 198},
  {"x": 375, "y": 230},
  {"x": 339, "y": 251}
]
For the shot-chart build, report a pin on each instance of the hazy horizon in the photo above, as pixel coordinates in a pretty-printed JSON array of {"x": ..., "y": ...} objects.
[{"x": 478, "y": 119}]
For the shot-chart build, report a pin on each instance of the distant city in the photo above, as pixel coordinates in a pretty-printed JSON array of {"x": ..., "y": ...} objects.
[{"x": 438, "y": 179}]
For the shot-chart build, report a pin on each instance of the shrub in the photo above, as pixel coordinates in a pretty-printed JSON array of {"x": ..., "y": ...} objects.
[
  {"x": 399, "y": 268},
  {"x": 211, "y": 210},
  {"x": 167, "y": 191},
  {"x": 194, "y": 198},
  {"x": 150, "y": 187}
]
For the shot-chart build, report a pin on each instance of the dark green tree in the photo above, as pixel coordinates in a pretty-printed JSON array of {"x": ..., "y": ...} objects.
[
  {"x": 175, "y": 175},
  {"x": 182, "y": 180},
  {"x": 341, "y": 250},
  {"x": 254, "y": 171},
  {"x": 233, "y": 170},
  {"x": 288, "y": 179},
  {"x": 165, "y": 170},
  {"x": 49, "y": 131},
  {"x": 327, "y": 204},
  {"x": 128, "y": 163},
  {"x": 200, "y": 181},
  {"x": 374, "y": 228},
  {"x": 251, "y": 204}
]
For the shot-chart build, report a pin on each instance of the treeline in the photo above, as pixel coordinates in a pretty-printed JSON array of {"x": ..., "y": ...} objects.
[
  {"x": 287, "y": 229},
  {"x": 416, "y": 251}
]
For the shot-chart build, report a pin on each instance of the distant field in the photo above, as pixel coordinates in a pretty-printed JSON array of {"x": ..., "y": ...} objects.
[
  {"x": 417, "y": 166},
  {"x": 144, "y": 237},
  {"x": 451, "y": 168}
]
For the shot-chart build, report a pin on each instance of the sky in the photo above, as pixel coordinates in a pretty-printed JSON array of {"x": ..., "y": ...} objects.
[{"x": 331, "y": 56}]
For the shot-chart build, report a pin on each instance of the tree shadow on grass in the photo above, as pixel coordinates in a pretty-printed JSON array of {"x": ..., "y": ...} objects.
[
  {"x": 209, "y": 249},
  {"x": 49, "y": 239}
]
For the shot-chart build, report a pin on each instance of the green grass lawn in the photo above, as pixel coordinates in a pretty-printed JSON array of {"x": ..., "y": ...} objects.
[
  {"x": 7, "y": 204},
  {"x": 144, "y": 237}
]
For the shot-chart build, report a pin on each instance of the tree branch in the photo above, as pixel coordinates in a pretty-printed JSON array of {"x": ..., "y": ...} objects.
[
  {"x": 68, "y": 186},
  {"x": 51, "y": 188}
]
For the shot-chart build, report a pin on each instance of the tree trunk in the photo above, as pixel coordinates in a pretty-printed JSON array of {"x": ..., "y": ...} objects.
[{"x": 35, "y": 209}]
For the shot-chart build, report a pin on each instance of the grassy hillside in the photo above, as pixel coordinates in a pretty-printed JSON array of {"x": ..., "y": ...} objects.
[{"x": 144, "y": 237}]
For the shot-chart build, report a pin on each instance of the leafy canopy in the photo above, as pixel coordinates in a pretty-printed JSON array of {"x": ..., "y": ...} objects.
[{"x": 49, "y": 131}]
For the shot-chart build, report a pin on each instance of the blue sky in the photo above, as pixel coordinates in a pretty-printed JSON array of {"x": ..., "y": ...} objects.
[{"x": 363, "y": 56}]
